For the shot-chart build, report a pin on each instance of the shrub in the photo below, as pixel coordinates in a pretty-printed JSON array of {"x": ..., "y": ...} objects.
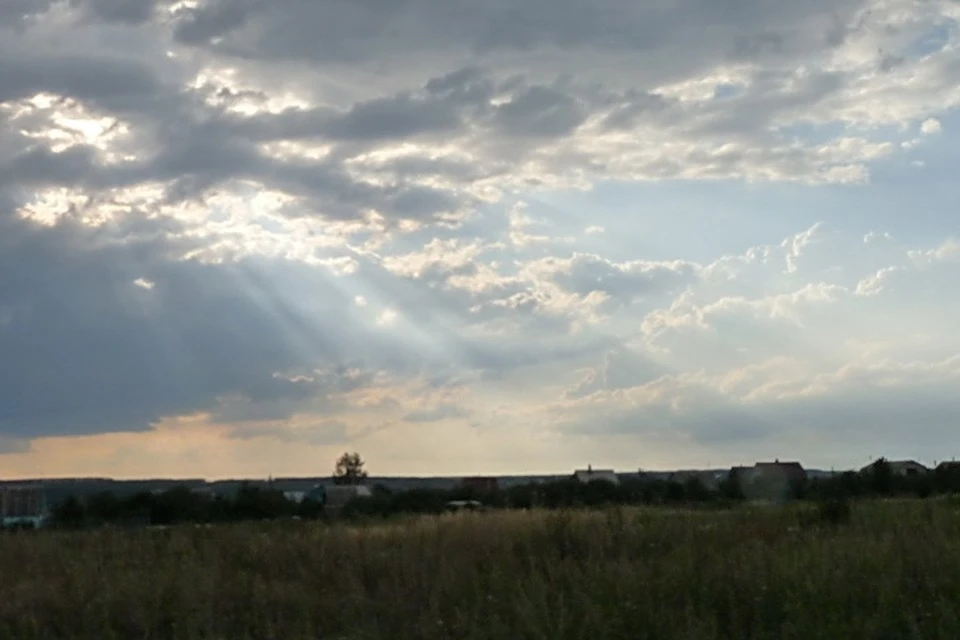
[{"x": 834, "y": 511}]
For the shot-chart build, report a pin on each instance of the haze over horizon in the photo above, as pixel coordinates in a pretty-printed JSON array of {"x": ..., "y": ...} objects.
[{"x": 239, "y": 237}]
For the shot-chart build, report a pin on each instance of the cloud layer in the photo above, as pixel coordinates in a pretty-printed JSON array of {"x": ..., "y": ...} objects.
[{"x": 321, "y": 224}]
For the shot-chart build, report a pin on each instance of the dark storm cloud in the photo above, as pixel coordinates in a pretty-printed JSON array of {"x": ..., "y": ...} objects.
[
  {"x": 39, "y": 167},
  {"x": 103, "y": 80},
  {"x": 190, "y": 140},
  {"x": 540, "y": 112},
  {"x": 14, "y": 13},
  {"x": 400, "y": 117},
  {"x": 212, "y": 19},
  {"x": 363, "y": 30},
  {"x": 121, "y": 11},
  {"x": 86, "y": 350}
]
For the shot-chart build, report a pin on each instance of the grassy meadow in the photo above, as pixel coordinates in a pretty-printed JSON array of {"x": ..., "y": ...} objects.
[{"x": 892, "y": 572}]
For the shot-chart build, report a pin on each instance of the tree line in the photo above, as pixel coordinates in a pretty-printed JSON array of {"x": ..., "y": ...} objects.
[{"x": 251, "y": 502}]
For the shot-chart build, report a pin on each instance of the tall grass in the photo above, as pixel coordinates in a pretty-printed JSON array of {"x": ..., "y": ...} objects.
[{"x": 892, "y": 572}]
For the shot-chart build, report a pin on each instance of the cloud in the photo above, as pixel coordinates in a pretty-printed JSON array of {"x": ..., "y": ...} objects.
[
  {"x": 440, "y": 412},
  {"x": 865, "y": 408},
  {"x": 281, "y": 217},
  {"x": 14, "y": 445},
  {"x": 327, "y": 433},
  {"x": 87, "y": 349},
  {"x": 584, "y": 274},
  {"x": 472, "y": 108},
  {"x": 930, "y": 126},
  {"x": 130, "y": 12},
  {"x": 873, "y": 363}
]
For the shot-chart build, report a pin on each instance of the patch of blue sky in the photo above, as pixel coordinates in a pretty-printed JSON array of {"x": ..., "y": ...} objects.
[
  {"x": 677, "y": 219},
  {"x": 270, "y": 224},
  {"x": 813, "y": 133},
  {"x": 911, "y": 194},
  {"x": 823, "y": 133},
  {"x": 702, "y": 221},
  {"x": 728, "y": 90},
  {"x": 932, "y": 41}
]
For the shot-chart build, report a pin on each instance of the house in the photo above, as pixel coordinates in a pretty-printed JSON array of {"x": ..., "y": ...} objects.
[
  {"x": 23, "y": 505},
  {"x": 948, "y": 474},
  {"x": 907, "y": 468},
  {"x": 948, "y": 468},
  {"x": 590, "y": 475},
  {"x": 481, "y": 484},
  {"x": 903, "y": 468},
  {"x": 770, "y": 481}
]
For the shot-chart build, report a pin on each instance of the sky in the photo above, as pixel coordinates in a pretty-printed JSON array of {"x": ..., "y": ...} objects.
[{"x": 239, "y": 237}]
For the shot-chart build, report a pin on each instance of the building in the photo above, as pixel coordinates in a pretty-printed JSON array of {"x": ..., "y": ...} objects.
[
  {"x": 948, "y": 468},
  {"x": 590, "y": 475},
  {"x": 947, "y": 475},
  {"x": 484, "y": 484},
  {"x": 23, "y": 505},
  {"x": 902, "y": 468},
  {"x": 770, "y": 481},
  {"x": 907, "y": 468}
]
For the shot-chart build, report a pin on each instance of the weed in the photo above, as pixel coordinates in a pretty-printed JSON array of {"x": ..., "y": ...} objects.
[{"x": 892, "y": 571}]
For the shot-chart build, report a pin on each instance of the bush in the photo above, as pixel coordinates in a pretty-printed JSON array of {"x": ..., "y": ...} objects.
[{"x": 834, "y": 511}]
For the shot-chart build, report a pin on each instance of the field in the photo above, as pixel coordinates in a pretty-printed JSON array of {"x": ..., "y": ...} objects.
[{"x": 892, "y": 572}]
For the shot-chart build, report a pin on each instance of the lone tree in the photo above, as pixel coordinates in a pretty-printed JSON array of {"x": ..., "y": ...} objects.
[{"x": 349, "y": 469}]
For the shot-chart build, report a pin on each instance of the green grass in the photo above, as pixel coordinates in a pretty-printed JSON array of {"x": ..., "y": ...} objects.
[{"x": 892, "y": 572}]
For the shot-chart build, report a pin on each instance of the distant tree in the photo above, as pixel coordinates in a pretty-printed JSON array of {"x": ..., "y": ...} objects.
[
  {"x": 730, "y": 488},
  {"x": 694, "y": 490},
  {"x": 850, "y": 484},
  {"x": 103, "y": 507},
  {"x": 260, "y": 503},
  {"x": 881, "y": 477},
  {"x": 69, "y": 513},
  {"x": 180, "y": 504},
  {"x": 523, "y": 496},
  {"x": 598, "y": 492},
  {"x": 349, "y": 469},
  {"x": 674, "y": 492}
]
